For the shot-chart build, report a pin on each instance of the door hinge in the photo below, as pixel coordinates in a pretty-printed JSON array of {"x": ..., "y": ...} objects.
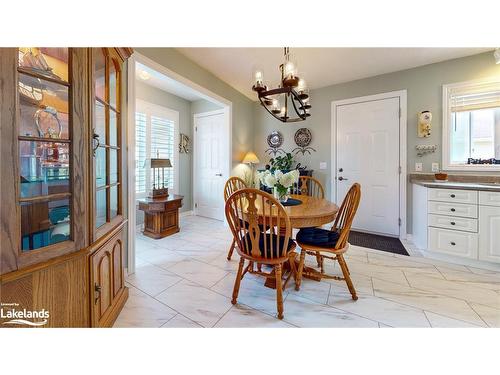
[
  {"x": 399, "y": 221},
  {"x": 196, "y": 205},
  {"x": 400, "y": 169},
  {"x": 399, "y": 112},
  {"x": 195, "y": 128}
]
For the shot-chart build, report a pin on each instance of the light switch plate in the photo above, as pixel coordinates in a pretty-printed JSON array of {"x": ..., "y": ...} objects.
[
  {"x": 418, "y": 167},
  {"x": 322, "y": 165},
  {"x": 435, "y": 167}
]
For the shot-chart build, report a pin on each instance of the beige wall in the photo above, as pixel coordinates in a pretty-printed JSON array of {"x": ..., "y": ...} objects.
[{"x": 424, "y": 87}]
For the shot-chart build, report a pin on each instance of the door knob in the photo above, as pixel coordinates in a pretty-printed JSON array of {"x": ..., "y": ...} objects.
[
  {"x": 341, "y": 169},
  {"x": 342, "y": 178},
  {"x": 218, "y": 174}
]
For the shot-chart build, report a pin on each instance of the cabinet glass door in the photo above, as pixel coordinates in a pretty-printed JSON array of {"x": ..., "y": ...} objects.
[
  {"x": 45, "y": 147},
  {"x": 106, "y": 140}
]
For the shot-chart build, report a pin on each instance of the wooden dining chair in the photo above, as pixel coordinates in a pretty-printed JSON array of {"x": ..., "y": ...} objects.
[
  {"x": 310, "y": 186},
  {"x": 331, "y": 244},
  {"x": 232, "y": 184},
  {"x": 262, "y": 231}
]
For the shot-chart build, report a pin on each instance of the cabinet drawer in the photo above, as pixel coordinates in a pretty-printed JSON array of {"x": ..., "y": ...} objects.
[
  {"x": 489, "y": 198},
  {"x": 453, "y": 209},
  {"x": 453, "y": 242},
  {"x": 454, "y": 223},
  {"x": 453, "y": 195}
]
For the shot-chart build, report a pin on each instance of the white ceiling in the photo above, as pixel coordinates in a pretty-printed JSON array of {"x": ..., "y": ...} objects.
[
  {"x": 320, "y": 67},
  {"x": 162, "y": 82}
]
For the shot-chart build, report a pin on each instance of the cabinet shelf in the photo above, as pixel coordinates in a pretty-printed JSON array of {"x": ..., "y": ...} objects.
[{"x": 36, "y": 74}]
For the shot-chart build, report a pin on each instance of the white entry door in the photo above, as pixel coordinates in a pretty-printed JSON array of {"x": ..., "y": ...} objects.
[
  {"x": 210, "y": 164},
  {"x": 367, "y": 152}
]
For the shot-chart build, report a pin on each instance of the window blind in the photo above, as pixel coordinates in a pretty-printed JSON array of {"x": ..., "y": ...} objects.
[
  {"x": 140, "y": 152},
  {"x": 479, "y": 96},
  {"x": 162, "y": 143}
]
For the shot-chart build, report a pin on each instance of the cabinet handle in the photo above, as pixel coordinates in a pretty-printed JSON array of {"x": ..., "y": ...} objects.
[
  {"x": 97, "y": 289},
  {"x": 96, "y": 143},
  {"x": 452, "y": 223},
  {"x": 452, "y": 195},
  {"x": 453, "y": 243},
  {"x": 452, "y": 210}
]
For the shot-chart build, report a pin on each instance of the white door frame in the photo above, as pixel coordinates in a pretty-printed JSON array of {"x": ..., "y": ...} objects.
[
  {"x": 402, "y": 95},
  {"x": 227, "y": 171},
  {"x": 204, "y": 93}
]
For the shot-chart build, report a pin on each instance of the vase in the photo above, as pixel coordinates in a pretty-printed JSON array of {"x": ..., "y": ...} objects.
[{"x": 281, "y": 195}]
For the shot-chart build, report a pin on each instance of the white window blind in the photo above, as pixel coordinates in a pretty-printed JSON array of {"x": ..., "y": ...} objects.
[
  {"x": 479, "y": 96},
  {"x": 156, "y": 136}
]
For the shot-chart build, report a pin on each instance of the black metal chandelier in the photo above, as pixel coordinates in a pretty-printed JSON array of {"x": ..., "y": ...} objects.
[{"x": 290, "y": 93}]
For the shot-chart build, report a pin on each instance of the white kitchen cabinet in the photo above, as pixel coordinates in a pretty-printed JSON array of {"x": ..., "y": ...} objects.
[{"x": 489, "y": 233}]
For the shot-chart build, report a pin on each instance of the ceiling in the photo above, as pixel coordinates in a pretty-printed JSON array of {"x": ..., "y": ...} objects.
[
  {"x": 162, "y": 82},
  {"x": 320, "y": 67}
]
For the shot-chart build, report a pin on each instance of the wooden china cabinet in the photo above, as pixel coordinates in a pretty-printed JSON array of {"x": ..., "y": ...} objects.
[{"x": 62, "y": 232}]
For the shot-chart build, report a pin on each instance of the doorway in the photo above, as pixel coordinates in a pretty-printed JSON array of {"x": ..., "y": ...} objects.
[{"x": 369, "y": 147}]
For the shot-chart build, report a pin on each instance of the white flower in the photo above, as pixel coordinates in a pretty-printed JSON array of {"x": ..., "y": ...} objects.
[
  {"x": 278, "y": 174},
  {"x": 270, "y": 180}
]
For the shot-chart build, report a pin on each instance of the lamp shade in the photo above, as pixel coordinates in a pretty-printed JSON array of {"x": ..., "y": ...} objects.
[
  {"x": 250, "y": 158},
  {"x": 158, "y": 163}
]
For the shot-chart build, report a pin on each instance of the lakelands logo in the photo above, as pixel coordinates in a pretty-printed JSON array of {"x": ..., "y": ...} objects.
[{"x": 16, "y": 316}]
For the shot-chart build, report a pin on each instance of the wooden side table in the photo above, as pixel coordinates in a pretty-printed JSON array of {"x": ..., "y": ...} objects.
[{"x": 161, "y": 216}]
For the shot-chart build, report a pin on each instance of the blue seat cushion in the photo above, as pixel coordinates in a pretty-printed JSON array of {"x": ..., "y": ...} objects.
[
  {"x": 266, "y": 237},
  {"x": 318, "y": 237}
]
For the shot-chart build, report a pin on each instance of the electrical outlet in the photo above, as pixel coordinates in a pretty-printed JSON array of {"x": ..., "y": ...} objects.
[
  {"x": 435, "y": 167},
  {"x": 418, "y": 167},
  {"x": 322, "y": 165}
]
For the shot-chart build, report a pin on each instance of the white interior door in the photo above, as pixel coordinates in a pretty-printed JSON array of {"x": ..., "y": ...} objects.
[
  {"x": 368, "y": 153},
  {"x": 210, "y": 163}
]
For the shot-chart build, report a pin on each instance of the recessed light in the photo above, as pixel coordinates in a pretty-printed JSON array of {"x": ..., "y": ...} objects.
[
  {"x": 144, "y": 75},
  {"x": 497, "y": 55}
]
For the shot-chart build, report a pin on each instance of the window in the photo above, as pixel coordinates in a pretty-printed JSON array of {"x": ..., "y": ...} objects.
[
  {"x": 156, "y": 134},
  {"x": 471, "y": 126}
]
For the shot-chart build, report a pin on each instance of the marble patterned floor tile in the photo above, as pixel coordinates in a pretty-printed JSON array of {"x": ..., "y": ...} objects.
[
  {"x": 241, "y": 316},
  {"x": 152, "y": 279},
  {"x": 313, "y": 290},
  {"x": 163, "y": 259},
  {"x": 180, "y": 321},
  {"x": 390, "y": 274},
  {"x": 489, "y": 314},
  {"x": 429, "y": 301},
  {"x": 198, "y": 272},
  {"x": 303, "y": 312},
  {"x": 201, "y": 305},
  {"x": 463, "y": 290},
  {"x": 440, "y": 321},
  {"x": 143, "y": 311},
  {"x": 381, "y": 310}
]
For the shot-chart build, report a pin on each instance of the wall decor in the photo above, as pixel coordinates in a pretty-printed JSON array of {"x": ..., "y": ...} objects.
[
  {"x": 424, "y": 124},
  {"x": 303, "y": 138},
  {"x": 184, "y": 144},
  {"x": 275, "y": 141}
]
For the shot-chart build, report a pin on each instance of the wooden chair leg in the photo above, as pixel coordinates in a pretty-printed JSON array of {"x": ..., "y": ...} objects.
[
  {"x": 279, "y": 290},
  {"x": 318, "y": 258},
  {"x": 302, "y": 259},
  {"x": 231, "y": 249},
  {"x": 238, "y": 281},
  {"x": 347, "y": 277},
  {"x": 293, "y": 266}
]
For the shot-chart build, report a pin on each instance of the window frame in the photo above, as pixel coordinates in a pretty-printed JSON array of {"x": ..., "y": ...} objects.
[
  {"x": 150, "y": 109},
  {"x": 447, "y": 121}
]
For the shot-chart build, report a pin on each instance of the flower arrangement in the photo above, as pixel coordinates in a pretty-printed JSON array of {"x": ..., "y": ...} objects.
[{"x": 280, "y": 182}]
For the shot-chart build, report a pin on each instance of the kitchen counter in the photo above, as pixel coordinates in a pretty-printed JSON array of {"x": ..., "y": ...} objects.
[{"x": 458, "y": 185}]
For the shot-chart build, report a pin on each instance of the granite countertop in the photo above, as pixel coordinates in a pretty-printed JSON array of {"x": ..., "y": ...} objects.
[{"x": 459, "y": 185}]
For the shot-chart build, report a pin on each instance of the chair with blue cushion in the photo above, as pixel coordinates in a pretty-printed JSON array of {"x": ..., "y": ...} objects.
[
  {"x": 262, "y": 231},
  {"x": 331, "y": 244}
]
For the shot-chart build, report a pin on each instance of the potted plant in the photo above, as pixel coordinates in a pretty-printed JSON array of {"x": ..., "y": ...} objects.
[{"x": 280, "y": 182}]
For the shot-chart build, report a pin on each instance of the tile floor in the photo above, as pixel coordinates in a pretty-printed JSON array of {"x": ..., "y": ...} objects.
[{"x": 185, "y": 281}]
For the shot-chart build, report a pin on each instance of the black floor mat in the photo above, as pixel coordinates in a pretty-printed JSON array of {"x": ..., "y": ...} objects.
[{"x": 375, "y": 241}]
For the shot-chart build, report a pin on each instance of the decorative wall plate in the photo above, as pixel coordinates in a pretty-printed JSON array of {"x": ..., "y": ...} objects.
[
  {"x": 275, "y": 139},
  {"x": 303, "y": 137}
]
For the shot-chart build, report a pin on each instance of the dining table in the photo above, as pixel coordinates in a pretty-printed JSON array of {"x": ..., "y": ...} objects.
[{"x": 306, "y": 211}]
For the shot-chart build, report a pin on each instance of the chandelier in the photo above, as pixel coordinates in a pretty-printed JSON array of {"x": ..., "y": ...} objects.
[{"x": 290, "y": 93}]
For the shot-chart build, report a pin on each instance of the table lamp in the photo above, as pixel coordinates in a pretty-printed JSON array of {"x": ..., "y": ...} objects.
[
  {"x": 251, "y": 159},
  {"x": 158, "y": 166}
]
